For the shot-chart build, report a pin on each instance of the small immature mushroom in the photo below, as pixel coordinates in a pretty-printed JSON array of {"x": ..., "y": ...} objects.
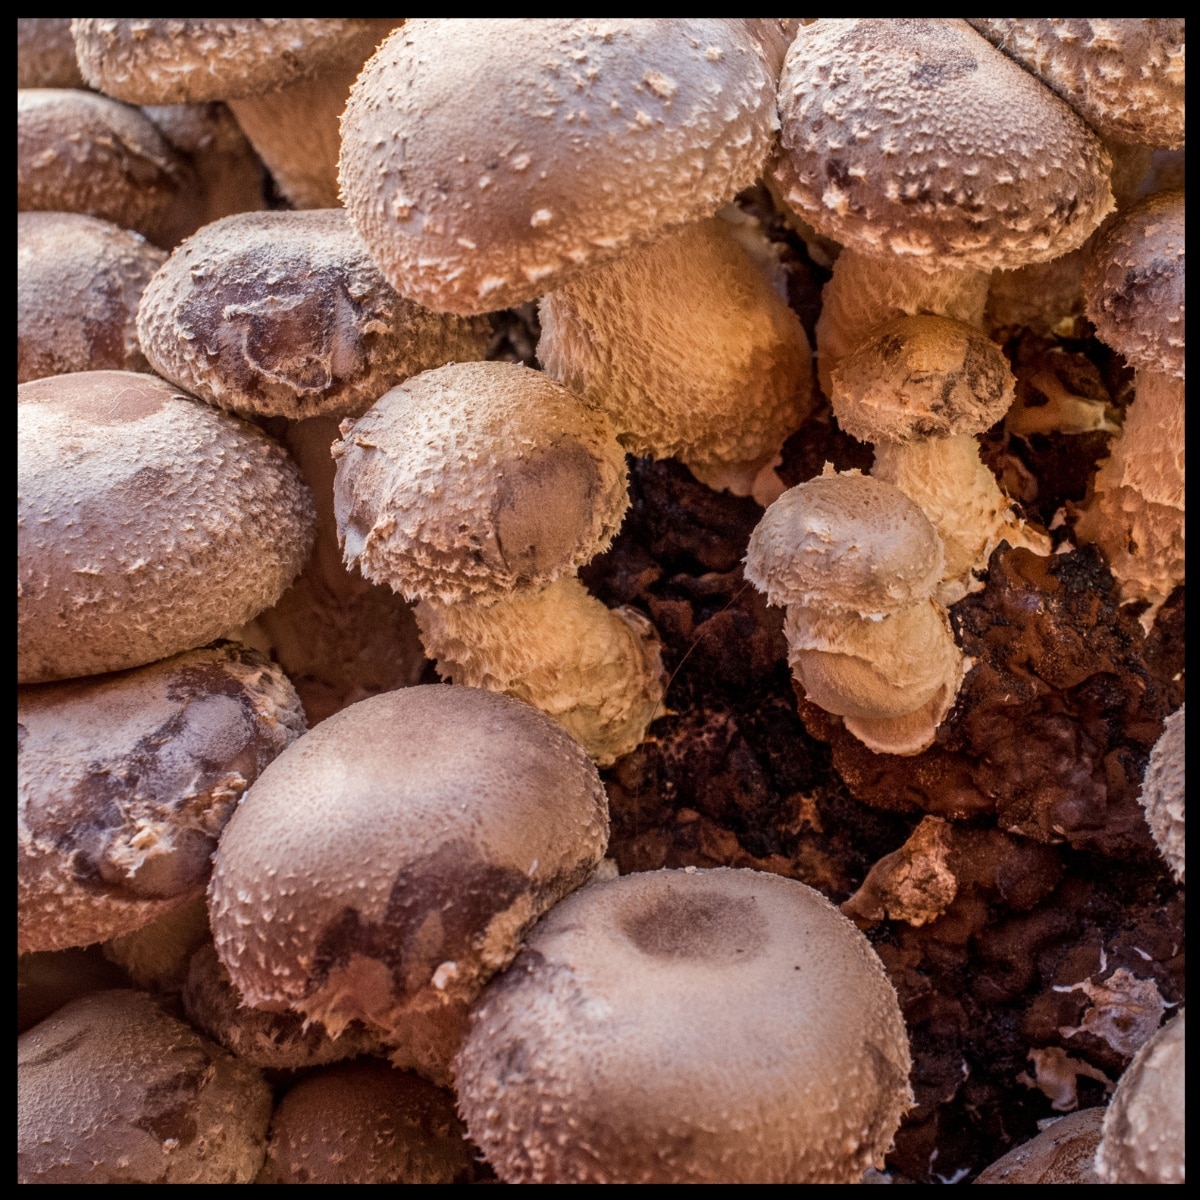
[
  {"x": 147, "y": 523},
  {"x": 79, "y": 281},
  {"x": 1064, "y": 1152},
  {"x": 601, "y": 134},
  {"x": 390, "y": 864},
  {"x": 688, "y": 1026},
  {"x": 1143, "y": 1137},
  {"x": 125, "y": 781},
  {"x": 366, "y": 1122},
  {"x": 688, "y": 349},
  {"x": 1163, "y": 792},
  {"x": 110, "y": 1089},
  {"x": 46, "y": 53}
]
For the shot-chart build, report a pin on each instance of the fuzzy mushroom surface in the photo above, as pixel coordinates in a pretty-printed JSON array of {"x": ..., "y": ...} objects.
[
  {"x": 688, "y": 1026},
  {"x": 1164, "y": 792}
]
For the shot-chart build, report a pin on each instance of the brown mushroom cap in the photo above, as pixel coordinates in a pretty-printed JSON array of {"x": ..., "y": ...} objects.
[
  {"x": 915, "y": 137},
  {"x": 110, "y": 1089},
  {"x": 474, "y": 479},
  {"x": 388, "y": 865},
  {"x": 366, "y": 1122},
  {"x": 46, "y": 53},
  {"x": 688, "y": 1026},
  {"x": 79, "y": 280},
  {"x": 1134, "y": 284},
  {"x": 1163, "y": 792},
  {"x": 147, "y": 523},
  {"x": 1063, "y": 1153},
  {"x": 847, "y": 542},
  {"x": 283, "y": 314},
  {"x": 80, "y": 152},
  {"x": 125, "y": 781},
  {"x": 1123, "y": 75},
  {"x": 485, "y": 162}
]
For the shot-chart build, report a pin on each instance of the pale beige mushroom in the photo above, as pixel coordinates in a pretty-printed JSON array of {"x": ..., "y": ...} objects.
[{"x": 1164, "y": 792}]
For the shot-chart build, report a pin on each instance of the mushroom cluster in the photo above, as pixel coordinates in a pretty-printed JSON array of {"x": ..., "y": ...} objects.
[{"x": 359, "y": 353}]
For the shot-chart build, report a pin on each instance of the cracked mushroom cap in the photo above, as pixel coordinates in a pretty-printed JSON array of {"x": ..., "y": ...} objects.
[
  {"x": 125, "y": 781},
  {"x": 475, "y": 479},
  {"x": 147, "y": 523},
  {"x": 1123, "y": 75},
  {"x": 1163, "y": 792},
  {"x": 922, "y": 377},
  {"x": 688, "y": 1026},
  {"x": 915, "y": 137},
  {"x": 389, "y": 865},
  {"x": 847, "y": 542},
  {"x": 283, "y": 314},
  {"x": 1133, "y": 284},
  {"x": 485, "y": 162}
]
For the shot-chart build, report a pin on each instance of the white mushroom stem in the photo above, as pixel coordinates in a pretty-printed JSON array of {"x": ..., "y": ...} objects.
[
  {"x": 595, "y": 670},
  {"x": 948, "y": 481}
]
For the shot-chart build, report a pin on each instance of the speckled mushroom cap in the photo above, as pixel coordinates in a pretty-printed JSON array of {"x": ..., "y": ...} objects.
[
  {"x": 389, "y": 864},
  {"x": 110, "y": 1089},
  {"x": 1144, "y": 1136},
  {"x": 177, "y": 60},
  {"x": 1063, "y": 1153},
  {"x": 688, "y": 1026},
  {"x": 147, "y": 523},
  {"x": 474, "y": 479},
  {"x": 284, "y": 314},
  {"x": 1134, "y": 284},
  {"x": 80, "y": 152},
  {"x": 922, "y": 377},
  {"x": 46, "y": 53},
  {"x": 485, "y": 162},
  {"x": 125, "y": 781},
  {"x": 79, "y": 281},
  {"x": 915, "y": 137},
  {"x": 366, "y": 1122},
  {"x": 845, "y": 541},
  {"x": 1163, "y": 792},
  {"x": 1123, "y": 75}
]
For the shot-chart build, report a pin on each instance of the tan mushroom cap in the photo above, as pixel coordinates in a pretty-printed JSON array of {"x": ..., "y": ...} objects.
[
  {"x": 46, "y": 53},
  {"x": 110, "y": 1089},
  {"x": 284, "y": 314},
  {"x": 485, "y": 162},
  {"x": 174, "y": 60},
  {"x": 1144, "y": 1135},
  {"x": 147, "y": 523},
  {"x": 125, "y": 781},
  {"x": 1163, "y": 792},
  {"x": 1123, "y": 75},
  {"x": 688, "y": 1026},
  {"x": 80, "y": 152},
  {"x": 922, "y": 377},
  {"x": 1134, "y": 284},
  {"x": 388, "y": 865},
  {"x": 845, "y": 541},
  {"x": 474, "y": 479},
  {"x": 1063, "y": 1153},
  {"x": 916, "y": 138},
  {"x": 366, "y": 1122},
  {"x": 79, "y": 281}
]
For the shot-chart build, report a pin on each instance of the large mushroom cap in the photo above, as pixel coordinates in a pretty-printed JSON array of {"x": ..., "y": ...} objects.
[
  {"x": 486, "y": 161},
  {"x": 915, "y": 137},
  {"x": 688, "y": 1026}
]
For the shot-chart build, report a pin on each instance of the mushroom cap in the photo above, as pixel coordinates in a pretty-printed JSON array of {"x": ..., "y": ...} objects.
[
  {"x": 1134, "y": 284},
  {"x": 365, "y": 1122},
  {"x": 283, "y": 314},
  {"x": 147, "y": 523},
  {"x": 475, "y": 479},
  {"x": 1163, "y": 792},
  {"x": 1063, "y": 1153},
  {"x": 688, "y": 1026},
  {"x": 846, "y": 542},
  {"x": 915, "y": 137},
  {"x": 110, "y": 1089},
  {"x": 46, "y": 53},
  {"x": 125, "y": 781},
  {"x": 485, "y": 162},
  {"x": 178, "y": 60},
  {"x": 922, "y": 377},
  {"x": 389, "y": 864},
  {"x": 80, "y": 152},
  {"x": 1123, "y": 75},
  {"x": 1143, "y": 1136},
  {"x": 79, "y": 281}
]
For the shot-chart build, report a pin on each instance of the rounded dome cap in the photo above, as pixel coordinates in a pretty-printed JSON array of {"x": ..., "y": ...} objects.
[{"x": 1164, "y": 792}]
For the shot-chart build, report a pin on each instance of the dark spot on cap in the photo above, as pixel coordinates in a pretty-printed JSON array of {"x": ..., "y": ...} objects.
[
  {"x": 697, "y": 926},
  {"x": 929, "y": 76},
  {"x": 102, "y": 397},
  {"x": 838, "y": 172}
]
